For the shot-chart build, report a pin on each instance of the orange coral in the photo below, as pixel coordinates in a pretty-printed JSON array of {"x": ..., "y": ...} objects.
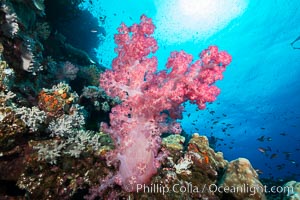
[
  {"x": 50, "y": 103},
  {"x": 53, "y": 101}
]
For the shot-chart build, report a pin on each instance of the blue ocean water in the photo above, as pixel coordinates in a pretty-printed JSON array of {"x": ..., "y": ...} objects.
[{"x": 257, "y": 114}]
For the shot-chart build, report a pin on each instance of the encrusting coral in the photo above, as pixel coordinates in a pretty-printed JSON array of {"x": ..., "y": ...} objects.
[
  {"x": 242, "y": 180},
  {"x": 291, "y": 190}
]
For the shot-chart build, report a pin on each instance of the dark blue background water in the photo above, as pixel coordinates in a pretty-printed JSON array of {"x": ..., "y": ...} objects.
[{"x": 260, "y": 94}]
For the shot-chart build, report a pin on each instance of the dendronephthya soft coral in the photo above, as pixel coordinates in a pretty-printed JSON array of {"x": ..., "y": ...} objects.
[{"x": 151, "y": 100}]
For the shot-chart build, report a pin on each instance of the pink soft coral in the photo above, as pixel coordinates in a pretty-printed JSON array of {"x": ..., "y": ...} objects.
[{"x": 151, "y": 100}]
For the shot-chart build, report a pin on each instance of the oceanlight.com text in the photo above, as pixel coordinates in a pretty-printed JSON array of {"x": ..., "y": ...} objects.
[{"x": 190, "y": 188}]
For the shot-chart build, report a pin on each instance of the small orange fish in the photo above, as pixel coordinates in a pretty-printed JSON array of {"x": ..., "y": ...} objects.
[{"x": 206, "y": 158}]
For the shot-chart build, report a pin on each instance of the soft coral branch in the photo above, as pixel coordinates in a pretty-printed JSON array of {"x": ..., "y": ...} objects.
[{"x": 151, "y": 100}]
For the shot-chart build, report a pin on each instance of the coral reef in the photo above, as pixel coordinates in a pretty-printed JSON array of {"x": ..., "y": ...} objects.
[
  {"x": 51, "y": 173},
  {"x": 41, "y": 127},
  {"x": 190, "y": 176},
  {"x": 51, "y": 108}
]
